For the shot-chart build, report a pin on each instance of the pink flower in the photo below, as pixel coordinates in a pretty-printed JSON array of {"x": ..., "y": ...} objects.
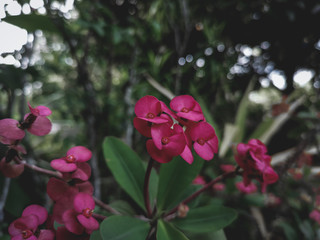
[
  {"x": 254, "y": 161},
  {"x": 247, "y": 189},
  {"x": 315, "y": 215},
  {"x": 63, "y": 194},
  {"x": 80, "y": 218},
  {"x": 148, "y": 110},
  {"x": 9, "y": 129},
  {"x": 187, "y": 108},
  {"x": 199, "y": 180},
  {"x": 26, "y": 227},
  {"x": 36, "y": 122},
  {"x": 74, "y": 155},
  {"x": 219, "y": 187},
  {"x": 205, "y": 140},
  {"x": 166, "y": 142}
]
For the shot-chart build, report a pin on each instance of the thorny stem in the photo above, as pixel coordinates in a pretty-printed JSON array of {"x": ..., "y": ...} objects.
[
  {"x": 98, "y": 216},
  {"x": 204, "y": 188},
  {"x": 146, "y": 188}
]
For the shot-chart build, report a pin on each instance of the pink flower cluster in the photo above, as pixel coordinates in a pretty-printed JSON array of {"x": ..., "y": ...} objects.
[
  {"x": 28, "y": 225},
  {"x": 173, "y": 133},
  {"x": 12, "y": 132},
  {"x": 72, "y": 195},
  {"x": 255, "y": 162}
]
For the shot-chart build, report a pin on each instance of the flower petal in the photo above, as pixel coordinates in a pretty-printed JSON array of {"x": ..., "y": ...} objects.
[
  {"x": 71, "y": 223},
  {"x": 156, "y": 154},
  {"x": 143, "y": 126},
  {"x": 89, "y": 223},
  {"x": 11, "y": 170},
  {"x": 62, "y": 166},
  {"x": 46, "y": 235},
  {"x": 36, "y": 210},
  {"x": 83, "y": 171},
  {"x": 147, "y": 104},
  {"x": 9, "y": 129},
  {"x": 205, "y": 151},
  {"x": 41, "y": 126},
  {"x": 83, "y": 201},
  {"x": 82, "y": 154}
]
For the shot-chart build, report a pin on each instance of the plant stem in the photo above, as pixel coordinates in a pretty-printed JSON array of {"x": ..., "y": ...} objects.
[
  {"x": 204, "y": 188},
  {"x": 42, "y": 170},
  {"x": 146, "y": 188},
  {"x": 105, "y": 206}
]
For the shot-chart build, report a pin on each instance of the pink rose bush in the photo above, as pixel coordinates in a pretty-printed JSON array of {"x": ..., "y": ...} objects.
[{"x": 173, "y": 133}]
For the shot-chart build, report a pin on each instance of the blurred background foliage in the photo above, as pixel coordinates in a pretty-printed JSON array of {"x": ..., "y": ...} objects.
[{"x": 252, "y": 65}]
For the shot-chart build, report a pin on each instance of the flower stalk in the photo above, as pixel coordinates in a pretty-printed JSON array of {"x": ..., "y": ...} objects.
[{"x": 146, "y": 188}]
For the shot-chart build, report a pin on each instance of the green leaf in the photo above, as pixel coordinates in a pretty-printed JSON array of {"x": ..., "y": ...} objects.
[
  {"x": 95, "y": 235},
  {"x": 206, "y": 219},
  {"x": 289, "y": 231},
  {"x": 217, "y": 235},
  {"x": 123, "y": 207},
  {"x": 166, "y": 231},
  {"x": 174, "y": 178},
  {"x": 32, "y": 22},
  {"x": 123, "y": 228},
  {"x": 126, "y": 167}
]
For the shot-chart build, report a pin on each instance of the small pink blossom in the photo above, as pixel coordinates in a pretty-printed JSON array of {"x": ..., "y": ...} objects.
[
  {"x": 315, "y": 215},
  {"x": 69, "y": 162},
  {"x": 64, "y": 234},
  {"x": 250, "y": 188},
  {"x": 219, "y": 187},
  {"x": 166, "y": 142},
  {"x": 80, "y": 218},
  {"x": 205, "y": 140},
  {"x": 199, "y": 180},
  {"x": 254, "y": 161},
  {"x": 187, "y": 108}
]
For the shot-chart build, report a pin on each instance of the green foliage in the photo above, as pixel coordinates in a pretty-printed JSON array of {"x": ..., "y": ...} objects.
[
  {"x": 126, "y": 167},
  {"x": 123, "y": 228},
  {"x": 33, "y": 22},
  {"x": 166, "y": 231},
  {"x": 206, "y": 219},
  {"x": 174, "y": 178}
]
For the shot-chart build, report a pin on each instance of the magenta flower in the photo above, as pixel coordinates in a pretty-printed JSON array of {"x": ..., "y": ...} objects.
[
  {"x": 187, "y": 108},
  {"x": 247, "y": 189},
  {"x": 254, "y": 161},
  {"x": 83, "y": 172},
  {"x": 26, "y": 227},
  {"x": 69, "y": 162},
  {"x": 219, "y": 187},
  {"x": 205, "y": 140},
  {"x": 199, "y": 180},
  {"x": 63, "y": 194},
  {"x": 36, "y": 122},
  {"x": 166, "y": 142},
  {"x": 80, "y": 218},
  {"x": 148, "y": 108},
  {"x": 315, "y": 215},
  {"x": 9, "y": 129}
]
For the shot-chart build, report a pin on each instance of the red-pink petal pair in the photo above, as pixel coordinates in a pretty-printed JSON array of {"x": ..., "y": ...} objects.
[
  {"x": 74, "y": 165},
  {"x": 172, "y": 133}
]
